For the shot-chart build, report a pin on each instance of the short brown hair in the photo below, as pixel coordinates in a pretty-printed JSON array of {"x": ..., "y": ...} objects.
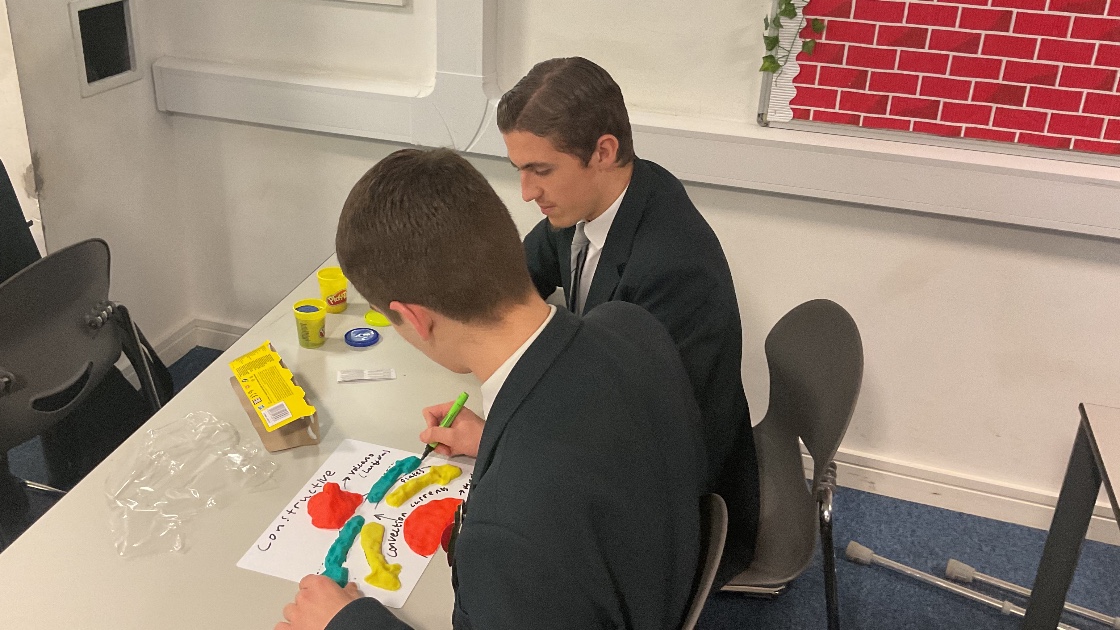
[
  {"x": 425, "y": 227},
  {"x": 572, "y": 102}
]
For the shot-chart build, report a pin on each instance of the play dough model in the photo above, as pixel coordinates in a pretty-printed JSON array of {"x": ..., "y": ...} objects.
[
  {"x": 336, "y": 555},
  {"x": 330, "y": 508},
  {"x": 438, "y": 475},
  {"x": 381, "y": 573},
  {"x": 395, "y": 472},
  {"x": 423, "y": 528}
]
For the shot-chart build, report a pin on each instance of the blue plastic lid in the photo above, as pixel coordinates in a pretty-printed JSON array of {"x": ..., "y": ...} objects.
[{"x": 362, "y": 337}]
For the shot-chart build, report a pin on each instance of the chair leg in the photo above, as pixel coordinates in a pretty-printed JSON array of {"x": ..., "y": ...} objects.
[{"x": 824, "y": 504}]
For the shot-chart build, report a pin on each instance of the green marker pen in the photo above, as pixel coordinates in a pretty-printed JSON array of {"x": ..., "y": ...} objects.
[{"x": 446, "y": 422}]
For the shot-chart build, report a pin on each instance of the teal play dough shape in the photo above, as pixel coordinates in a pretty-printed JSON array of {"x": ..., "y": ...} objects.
[
  {"x": 336, "y": 555},
  {"x": 395, "y": 472}
]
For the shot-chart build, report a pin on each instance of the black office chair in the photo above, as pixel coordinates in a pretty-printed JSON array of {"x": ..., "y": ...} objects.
[
  {"x": 815, "y": 356},
  {"x": 59, "y": 339},
  {"x": 713, "y": 533}
]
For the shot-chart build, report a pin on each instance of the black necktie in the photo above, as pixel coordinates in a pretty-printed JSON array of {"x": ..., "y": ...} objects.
[{"x": 579, "y": 255}]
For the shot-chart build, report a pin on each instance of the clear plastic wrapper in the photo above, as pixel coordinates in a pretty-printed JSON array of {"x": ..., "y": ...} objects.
[{"x": 179, "y": 471}]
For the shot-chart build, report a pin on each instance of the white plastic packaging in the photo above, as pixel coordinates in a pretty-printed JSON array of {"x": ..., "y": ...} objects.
[{"x": 180, "y": 470}]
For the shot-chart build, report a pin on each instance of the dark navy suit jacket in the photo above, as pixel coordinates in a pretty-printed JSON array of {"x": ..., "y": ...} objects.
[
  {"x": 661, "y": 254},
  {"x": 584, "y": 505}
]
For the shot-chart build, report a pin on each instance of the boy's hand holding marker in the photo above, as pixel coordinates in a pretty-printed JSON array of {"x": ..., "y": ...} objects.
[{"x": 461, "y": 438}]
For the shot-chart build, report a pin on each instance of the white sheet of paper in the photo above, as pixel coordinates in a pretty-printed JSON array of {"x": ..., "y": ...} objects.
[{"x": 291, "y": 547}]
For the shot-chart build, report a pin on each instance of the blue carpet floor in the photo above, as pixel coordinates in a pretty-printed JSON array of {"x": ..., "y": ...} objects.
[{"x": 871, "y": 597}]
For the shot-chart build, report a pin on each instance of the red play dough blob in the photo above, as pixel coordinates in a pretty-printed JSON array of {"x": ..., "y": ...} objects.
[
  {"x": 424, "y": 527},
  {"x": 331, "y": 508}
]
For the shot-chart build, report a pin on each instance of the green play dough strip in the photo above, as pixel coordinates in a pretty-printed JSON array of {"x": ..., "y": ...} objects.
[
  {"x": 336, "y": 555},
  {"x": 395, "y": 472}
]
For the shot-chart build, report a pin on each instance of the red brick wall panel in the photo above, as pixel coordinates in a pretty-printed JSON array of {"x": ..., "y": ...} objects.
[
  {"x": 1096, "y": 147},
  {"x": 882, "y": 122},
  {"x": 999, "y": 93},
  {"x": 932, "y": 14},
  {"x": 954, "y": 41},
  {"x": 814, "y": 97},
  {"x": 1091, "y": 7},
  {"x": 824, "y": 53},
  {"x": 902, "y": 37},
  {"x": 1088, "y": 78},
  {"x": 976, "y": 19},
  {"x": 1074, "y": 125},
  {"x": 1100, "y": 29},
  {"x": 893, "y": 83},
  {"x": 1102, "y": 104},
  {"x": 1112, "y": 131},
  {"x": 849, "y": 32},
  {"x": 907, "y": 107},
  {"x": 863, "y": 102},
  {"x": 925, "y": 62},
  {"x": 1019, "y": 119},
  {"x": 1046, "y": 24},
  {"x": 941, "y": 87},
  {"x": 876, "y": 58},
  {"x": 1046, "y": 142},
  {"x": 1059, "y": 100},
  {"x": 1026, "y": 5},
  {"x": 880, "y": 11},
  {"x": 976, "y": 67},
  {"x": 984, "y": 133},
  {"x": 835, "y": 117},
  {"x": 952, "y": 131},
  {"x": 1009, "y": 46},
  {"x": 1066, "y": 51},
  {"x": 968, "y": 113},
  {"x": 1034, "y": 73},
  {"x": 828, "y": 9},
  {"x": 1108, "y": 55},
  {"x": 833, "y": 76}
]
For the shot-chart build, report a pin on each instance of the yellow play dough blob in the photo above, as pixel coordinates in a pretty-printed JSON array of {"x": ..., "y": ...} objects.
[
  {"x": 381, "y": 573},
  {"x": 438, "y": 475}
]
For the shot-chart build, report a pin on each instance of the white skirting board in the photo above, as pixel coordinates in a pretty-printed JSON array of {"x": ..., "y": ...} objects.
[
  {"x": 198, "y": 332},
  {"x": 960, "y": 493}
]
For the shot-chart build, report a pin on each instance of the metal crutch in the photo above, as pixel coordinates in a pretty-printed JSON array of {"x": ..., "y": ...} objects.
[
  {"x": 862, "y": 555},
  {"x": 961, "y": 572}
]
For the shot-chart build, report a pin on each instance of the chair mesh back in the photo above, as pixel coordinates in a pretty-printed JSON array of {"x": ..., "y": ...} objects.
[
  {"x": 816, "y": 366},
  {"x": 51, "y": 355}
]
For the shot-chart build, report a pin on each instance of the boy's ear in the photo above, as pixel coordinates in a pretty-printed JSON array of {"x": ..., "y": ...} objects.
[
  {"x": 606, "y": 150},
  {"x": 416, "y": 316}
]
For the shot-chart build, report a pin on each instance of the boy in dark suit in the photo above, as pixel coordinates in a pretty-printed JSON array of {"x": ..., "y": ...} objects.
[
  {"x": 584, "y": 505},
  {"x": 619, "y": 228}
]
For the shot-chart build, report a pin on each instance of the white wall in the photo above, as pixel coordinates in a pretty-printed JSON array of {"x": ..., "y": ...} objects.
[
  {"x": 980, "y": 339},
  {"x": 13, "y": 131},
  {"x": 106, "y": 163}
]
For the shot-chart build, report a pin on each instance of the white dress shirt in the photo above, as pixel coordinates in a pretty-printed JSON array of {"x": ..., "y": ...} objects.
[
  {"x": 493, "y": 385},
  {"x": 596, "y": 232}
]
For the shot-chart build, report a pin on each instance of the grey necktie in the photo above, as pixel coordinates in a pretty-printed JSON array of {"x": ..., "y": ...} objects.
[{"x": 579, "y": 255}]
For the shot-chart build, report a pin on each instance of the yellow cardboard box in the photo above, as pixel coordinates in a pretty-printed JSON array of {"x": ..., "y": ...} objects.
[{"x": 274, "y": 401}]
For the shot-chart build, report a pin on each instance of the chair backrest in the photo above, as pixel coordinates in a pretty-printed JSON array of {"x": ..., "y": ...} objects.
[
  {"x": 713, "y": 533},
  {"x": 17, "y": 247},
  {"x": 815, "y": 357},
  {"x": 50, "y": 356}
]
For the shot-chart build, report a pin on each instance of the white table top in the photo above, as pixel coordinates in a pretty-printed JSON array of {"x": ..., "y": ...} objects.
[{"x": 64, "y": 571}]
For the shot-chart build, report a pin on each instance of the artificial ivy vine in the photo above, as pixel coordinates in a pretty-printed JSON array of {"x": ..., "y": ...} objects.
[{"x": 774, "y": 49}]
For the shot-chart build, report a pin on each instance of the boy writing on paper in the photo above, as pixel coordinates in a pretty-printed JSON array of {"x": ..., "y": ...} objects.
[{"x": 584, "y": 506}]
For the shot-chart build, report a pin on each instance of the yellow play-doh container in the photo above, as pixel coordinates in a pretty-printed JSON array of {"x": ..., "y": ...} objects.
[
  {"x": 311, "y": 320},
  {"x": 332, "y": 287}
]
